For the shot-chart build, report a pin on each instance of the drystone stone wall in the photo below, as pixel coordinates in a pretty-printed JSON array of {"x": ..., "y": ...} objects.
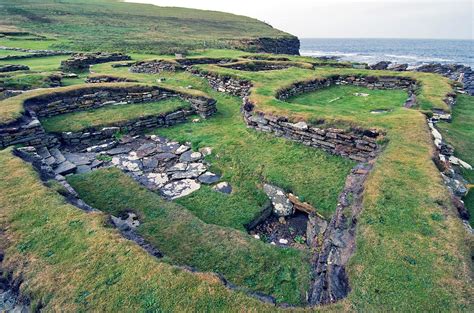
[
  {"x": 158, "y": 66},
  {"x": 106, "y": 79},
  {"x": 258, "y": 66},
  {"x": 95, "y": 97},
  {"x": 371, "y": 82},
  {"x": 13, "y": 68},
  {"x": 91, "y": 135},
  {"x": 357, "y": 144},
  {"x": 82, "y": 61},
  {"x": 227, "y": 84},
  {"x": 28, "y": 130}
]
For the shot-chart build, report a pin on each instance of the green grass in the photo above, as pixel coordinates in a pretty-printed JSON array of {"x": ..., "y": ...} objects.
[
  {"x": 130, "y": 26},
  {"x": 25, "y": 81},
  {"x": 341, "y": 100},
  {"x": 69, "y": 261},
  {"x": 186, "y": 240},
  {"x": 460, "y": 134},
  {"x": 42, "y": 64},
  {"x": 110, "y": 115},
  {"x": 5, "y": 53}
]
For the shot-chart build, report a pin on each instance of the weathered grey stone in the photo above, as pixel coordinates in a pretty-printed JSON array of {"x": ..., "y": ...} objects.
[
  {"x": 165, "y": 156},
  {"x": 58, "y": 156},
  {"x": 180, "y": 188},
  {"x": 282, "y": 206},
  {"x": 177, "y": 167},
  {"x": 223, "y": 187},
  {"x": 209, "y": 178},
  {"x": 81, "y": 169},
  {"x": 79, "y": 159},
  {"x": 118, "y": 150},
  {"x": 65, "y": 168},
  {"x": 190, "y": 156}
]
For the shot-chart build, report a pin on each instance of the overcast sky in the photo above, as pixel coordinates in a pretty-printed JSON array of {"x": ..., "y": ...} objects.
[{"x": 351, "y": 18}]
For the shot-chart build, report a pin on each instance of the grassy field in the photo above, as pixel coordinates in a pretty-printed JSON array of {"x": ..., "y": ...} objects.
[
  {"x": 344, "y": 100},
  {"x": 186, "y": 240},
  {"x": 110, "y": 115},
  {"x": 460, "y": 134},
  {"x": 129, "y": 26}
]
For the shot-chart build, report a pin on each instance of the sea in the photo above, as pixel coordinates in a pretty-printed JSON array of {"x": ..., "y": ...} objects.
[{"x": 414, "y": 52}]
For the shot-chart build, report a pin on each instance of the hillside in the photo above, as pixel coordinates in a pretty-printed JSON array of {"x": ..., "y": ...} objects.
[{"x": 113, "y": 25}]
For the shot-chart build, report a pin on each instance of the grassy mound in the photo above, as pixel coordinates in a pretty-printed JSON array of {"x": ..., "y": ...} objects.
[{"x": 114, "y": 25}]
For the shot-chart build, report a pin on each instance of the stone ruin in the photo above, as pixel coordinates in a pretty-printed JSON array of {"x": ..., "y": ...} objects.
[{"x": 82, "y": 61}]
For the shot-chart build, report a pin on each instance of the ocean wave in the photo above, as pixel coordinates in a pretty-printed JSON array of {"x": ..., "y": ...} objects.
[{"x": 411, "y": 60}]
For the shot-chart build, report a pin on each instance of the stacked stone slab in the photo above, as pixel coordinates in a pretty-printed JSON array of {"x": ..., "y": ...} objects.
[
  {"x": 99, "y": 96},
  {"x": 92, "y": 135},
  {"x": 82, "y": 61},
  {"x": 358, "y": 145},
  {"x": 227, "y": 84},
  {"x": 12, "y": 68},
  {"x": 158, "y": 66},
  {"x": 257, "y": 66},
  {"x": 106, "y": 79},
  {"x": 370, "y": 82},
  {"x": 28, "y": 129}
]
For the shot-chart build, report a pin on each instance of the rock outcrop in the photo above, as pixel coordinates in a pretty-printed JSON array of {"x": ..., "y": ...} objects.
[{"x": 281, "y": 45}]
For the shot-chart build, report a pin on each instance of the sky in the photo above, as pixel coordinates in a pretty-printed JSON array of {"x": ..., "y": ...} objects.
[{"x": 443, "y": 19}]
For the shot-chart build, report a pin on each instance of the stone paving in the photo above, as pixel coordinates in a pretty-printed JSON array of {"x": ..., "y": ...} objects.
[{"x": 172, "y": 169}]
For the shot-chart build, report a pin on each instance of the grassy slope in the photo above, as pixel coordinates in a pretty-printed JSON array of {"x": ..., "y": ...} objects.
[
  {"x": 110, "y": 115},
  {"x": 71, "y": 262},
  {"x": 460, "y": 134},
  {"x": 186, "y": 240},
  {"x": 129, "y": 26}
]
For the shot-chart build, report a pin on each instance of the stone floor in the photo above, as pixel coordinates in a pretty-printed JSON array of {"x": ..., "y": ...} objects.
[{"x": 161, "y": 165}]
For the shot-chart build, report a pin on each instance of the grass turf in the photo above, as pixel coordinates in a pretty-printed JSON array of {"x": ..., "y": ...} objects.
[{"x": 111, "y": 115}]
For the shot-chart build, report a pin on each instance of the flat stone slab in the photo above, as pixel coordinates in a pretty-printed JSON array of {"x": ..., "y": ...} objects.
[
  {"x": 209, "y": 178},
  {"x": 118, "y": 150},
  {"x": 65, "y": 168},
  {"x": 178, "y": 167},
  {"x": 180, "y": 188},
  {"x": 282, "y": 206},
  {"x": 165, "y": 156},
  {"x": 79, "y": 159},
  {"x": 58, "y": 156},
  {"x": 190, "y": 156}
]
